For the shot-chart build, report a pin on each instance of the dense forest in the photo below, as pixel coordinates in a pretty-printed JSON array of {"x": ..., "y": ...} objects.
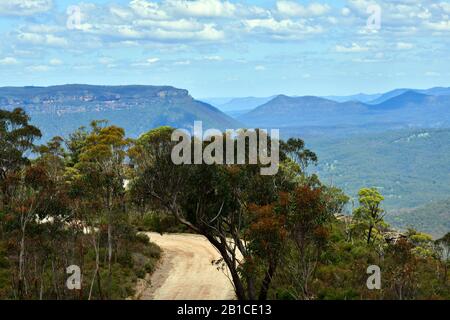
[
  {"x": 82, "y": 200},
  {"x": 407, "y": 166}
]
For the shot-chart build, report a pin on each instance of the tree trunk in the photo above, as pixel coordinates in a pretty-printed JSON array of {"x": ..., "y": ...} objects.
[
  {"x": 21, "y": 283},
  {"x": 238, "y": 286},
  {"x": 267, "y": 280},
  {"x": 109, "y": 258},
  {"x": 109, "y": 244},
  {"x": 370, "y": 234},
  {"x": 96, "y": 272}
]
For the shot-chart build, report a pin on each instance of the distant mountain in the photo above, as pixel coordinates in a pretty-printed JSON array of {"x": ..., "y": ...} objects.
[
  {"x": 58, "y": 110},
  {"x": 361, "y": 97},
  {"x": 408, "y": 109},
  {"x": 246, "y": 103},
  {"x": 436, "y": 91},
  {"x": 235, "y": 107},
  {"x": 216, "y": 101},
  {"x": 407, "y": 99},
  {"x": 301, "y": 111},
  {"x": 389, "y": 95}
]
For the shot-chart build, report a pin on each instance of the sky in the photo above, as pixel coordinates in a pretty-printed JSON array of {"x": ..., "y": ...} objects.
[{"x": 231, "y": 48}]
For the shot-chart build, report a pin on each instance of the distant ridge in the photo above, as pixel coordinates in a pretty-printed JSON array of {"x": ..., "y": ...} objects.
[
  {"x": 409, "y": 108},
  {"x": 291, "y": 111},
  {"x": 435, "y": 91},
  {"x": 59, "y": 110}
]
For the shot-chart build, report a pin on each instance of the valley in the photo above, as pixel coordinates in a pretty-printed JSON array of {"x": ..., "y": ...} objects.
[{"x": 397, "y": 141}]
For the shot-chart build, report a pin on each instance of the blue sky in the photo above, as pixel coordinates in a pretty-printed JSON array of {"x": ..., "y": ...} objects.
[{"x": 217, "y": 48}]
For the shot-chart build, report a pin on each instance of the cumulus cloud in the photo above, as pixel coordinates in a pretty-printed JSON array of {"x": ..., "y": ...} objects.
[
  {"x": 199, "y": 24},
  {"x": 404, "y": 46},
  {"x": 351, "y": 49},
  {"x": 55, "y": 62},
  {"x": 42, "y": 39},
  {"x": 38, "y": 68},
  {"x": 24, "y": 7},
  {"x": 201, "y": 8},
  {"x": 9, "y": 61},
  {"x": 291, "y": 8},
  {"x": 282, "y": 29},
  {"x": 213, "y": 58},
  {"x": 443, "y": 25},
  {"x": 182, "y": 63}
]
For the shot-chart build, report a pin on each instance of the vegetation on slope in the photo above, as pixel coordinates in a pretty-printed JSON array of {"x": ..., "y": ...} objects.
[
  {"x": 409, "y": 167},
  {"x": 66, "y": 207},
  {"x": 70, "y": 205}
]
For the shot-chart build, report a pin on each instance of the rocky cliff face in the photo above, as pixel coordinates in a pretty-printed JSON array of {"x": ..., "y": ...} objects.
[
  {"x": 82, "y": 98},
  {"x": 59, "y": 110}
]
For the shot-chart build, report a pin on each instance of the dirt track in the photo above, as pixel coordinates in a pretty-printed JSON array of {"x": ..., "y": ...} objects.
[{"x": 185, "y": 271}]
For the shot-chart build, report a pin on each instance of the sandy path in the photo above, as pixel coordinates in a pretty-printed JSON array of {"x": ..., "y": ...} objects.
[{"x": 185, "y": 270}]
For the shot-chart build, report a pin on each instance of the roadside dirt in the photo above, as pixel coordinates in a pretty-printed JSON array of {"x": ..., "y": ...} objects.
[{"x": 185, "y": 271}]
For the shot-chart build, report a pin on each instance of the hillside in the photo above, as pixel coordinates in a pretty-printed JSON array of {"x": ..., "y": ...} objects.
[
  {"x": 433, "y": 218},
  {"x": 283, "y": 111},
  {"x": 409, "y": 109},
  {"x": 59, "y": 110},
  {"x": 410, "y": 167}
]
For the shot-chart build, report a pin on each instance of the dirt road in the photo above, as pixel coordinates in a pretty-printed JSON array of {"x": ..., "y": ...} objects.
[{"x": 185, "y": 271}]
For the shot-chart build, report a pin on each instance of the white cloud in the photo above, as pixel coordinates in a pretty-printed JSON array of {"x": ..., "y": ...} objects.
[
  {"x": 404, "y": 46},
  {"x": 149, "y": 10},
  {"x": 281, "y": 29},
  {"x": 33, "y": 38},
  {"x": 42, "y": 39},
  {"x": 345, "y": 11},
  {"x": 122, "y": 13},
  {"x": 291, "y": 9},
  {"x": 105, "y": 60},
  {"x": 444, "y": 6},
  {"x": 201, "y": 8},
  {"x": 213, "y": 58},
  {"x": 182, "y": 63},
  {"x": 352, "y": 49},
  {"x": 24, "y": 7},
  {"x": 38, "y": 68},
  {"x": 152, "y": 60},
  {"x": 8, "y": 61},
  {"x": 260, "y": 68},
  {"x": 55, "y": 62},
  {"x": 439, "y": 26},
  {"x": 55, "y": 41}
]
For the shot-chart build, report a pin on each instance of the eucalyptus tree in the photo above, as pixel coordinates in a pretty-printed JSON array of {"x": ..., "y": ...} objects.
[
  {"x": 101, "y": 161},
  {"x": 17, "y": 137},
  {"x": 369, "y": 214},
  {"x": 218, "y": 201}
]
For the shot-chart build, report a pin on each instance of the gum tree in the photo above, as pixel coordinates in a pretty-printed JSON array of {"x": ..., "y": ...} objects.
[
  {"x": 222, "y": 203},
  {"x": 369, "y": 213},
  {"x": 101, "y": 161},
  {"x": 17, "y": 137}
]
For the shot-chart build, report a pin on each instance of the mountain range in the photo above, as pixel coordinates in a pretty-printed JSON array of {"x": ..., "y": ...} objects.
[
  {"x": 406, "y": 109},
  {"x": 59, "y": 110}
]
